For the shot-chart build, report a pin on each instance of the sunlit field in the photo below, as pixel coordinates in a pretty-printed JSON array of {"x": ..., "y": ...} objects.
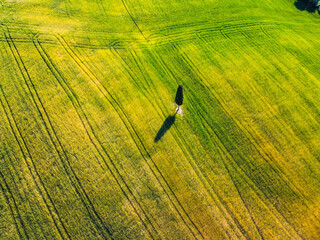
[{"x": 91, "y": 146}]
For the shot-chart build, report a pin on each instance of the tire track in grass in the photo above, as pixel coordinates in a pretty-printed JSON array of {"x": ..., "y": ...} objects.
[
  {"x": 280, "y": 124},
  {"x": 95, "y": 141},
  {"x": 198, "y": 172},
  {"x": 56, "y": 142},
  {"x": 235, "y": 185},
  {"x": 224, "y": 152},
  {"x": 231, "y": 166},
  {"x": 304, "y": 111},
  {"x": 133, "y": 133},
  {"x": 202, "y": 176},
  {"x": 251, "y": 87},
  {"x": 206, "y": 126},
  {"x": 111, "y": 43},
  {"x": 19, "y": 224},
  {"x": 137, "y": 140},
  {"x": 200, "y": 76},
  {"x": 28, "y": 159},
  {"x": 283, "y": 66},
  {"x": 133, "y": 20},
  {"x": 27, "y": 162},
  {"x": 68, "y": 9},
  {"x": 131, "y": 74},
  {"x": 191, "y": 30},
  {"x": 21, "y": 197},
  {"x": 101, "y": 7},
  {"x": 247, "y": 134},
  {"x": 267, "y": 155},
  {"x": 143, "y": 73}
]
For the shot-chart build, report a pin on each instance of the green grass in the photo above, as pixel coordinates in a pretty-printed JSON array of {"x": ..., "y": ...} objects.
[{"x": 85, "y": 87}]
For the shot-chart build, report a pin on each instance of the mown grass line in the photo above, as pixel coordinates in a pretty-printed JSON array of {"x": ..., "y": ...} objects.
[
  {"x": 56, "y": 143},
  {"x": 95, "y": 141},
  {"x": 181, "y": 142},
  {"x": 249, "y": 137},
  {"x": 137, "y": 140},
  {"x": 28, "y": 159},
  {"x": 11, "y": 202}
]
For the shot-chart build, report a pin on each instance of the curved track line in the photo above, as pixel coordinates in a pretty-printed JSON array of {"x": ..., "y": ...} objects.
[
  {"x": 134, "y": 21},
  {"x": 28, "y": 159},
  {"x": 13, "y": 209},
  {"x": 137, "y": 140},
  {"x": 209, "y": 188},
  {"x": 94, "y": 140},
  {"x": 55, "y": 141},
  {"x": 262, "y": 154}
]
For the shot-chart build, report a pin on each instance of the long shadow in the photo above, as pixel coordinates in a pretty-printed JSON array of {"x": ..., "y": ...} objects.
[
  {"x": 305, "y": 5},
  {"x": 165, "y": 127}
]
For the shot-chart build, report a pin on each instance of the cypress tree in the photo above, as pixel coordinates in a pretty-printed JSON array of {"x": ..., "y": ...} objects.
[{"x": 179, "y": 96}]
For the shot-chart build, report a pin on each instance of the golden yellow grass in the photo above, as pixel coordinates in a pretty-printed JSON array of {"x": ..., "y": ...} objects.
[{"x": 86, "y": 87}]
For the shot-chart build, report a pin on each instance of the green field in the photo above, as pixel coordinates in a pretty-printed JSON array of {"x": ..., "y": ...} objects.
[{"x": 90, "y": 147}]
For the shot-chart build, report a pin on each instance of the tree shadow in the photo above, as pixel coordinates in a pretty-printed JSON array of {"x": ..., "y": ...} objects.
[
  {"x": 165, "y": 127},
  {"x": 305, "y": 5}
]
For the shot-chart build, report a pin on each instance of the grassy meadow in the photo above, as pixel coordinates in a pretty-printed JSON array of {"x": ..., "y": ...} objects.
[{"x": 91, "y": 147}]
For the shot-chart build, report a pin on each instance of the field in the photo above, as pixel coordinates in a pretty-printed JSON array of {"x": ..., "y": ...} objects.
[{"x": 91, "y": 147}]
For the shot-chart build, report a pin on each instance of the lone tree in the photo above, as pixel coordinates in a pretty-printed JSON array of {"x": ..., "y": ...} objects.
[{"x": 179, "y": 96}]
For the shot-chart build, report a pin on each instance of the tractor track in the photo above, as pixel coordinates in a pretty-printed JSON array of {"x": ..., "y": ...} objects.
[
  {"x": 28, "y": 159},
  {"x": 197, "y": 171},
  {"x": 137, "y": 140},
  {"x": 55, "y": 141},
  {"x": 93, "y": 138},
  {"x": 211, "y": 191},
  {"x": 19, "y": 224},
  {"x": 265, "y": 155},
  {"x": 22, "y": 197},
  {"x": 249, "y": 138}
]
